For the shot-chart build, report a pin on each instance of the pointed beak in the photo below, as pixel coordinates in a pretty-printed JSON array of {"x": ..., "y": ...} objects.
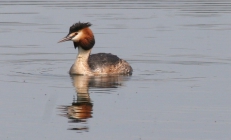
[{"x": 67, "y": 38}]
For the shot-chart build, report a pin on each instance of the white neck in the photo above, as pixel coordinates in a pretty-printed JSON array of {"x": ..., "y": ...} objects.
[{"x": 81, "y": 65}]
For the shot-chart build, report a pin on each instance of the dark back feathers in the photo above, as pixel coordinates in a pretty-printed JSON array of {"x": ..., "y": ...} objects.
[{"x": 102, "y": 60}]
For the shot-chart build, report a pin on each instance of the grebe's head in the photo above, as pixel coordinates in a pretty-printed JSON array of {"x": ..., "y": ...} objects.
[{"x": 81, "y": 35}]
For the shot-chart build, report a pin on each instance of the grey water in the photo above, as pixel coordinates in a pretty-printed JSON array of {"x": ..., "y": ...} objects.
[{"x": 180, "y": 52}]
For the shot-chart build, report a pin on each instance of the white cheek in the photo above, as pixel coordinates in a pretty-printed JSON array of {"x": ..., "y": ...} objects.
[{"x": 77, "y": 37}]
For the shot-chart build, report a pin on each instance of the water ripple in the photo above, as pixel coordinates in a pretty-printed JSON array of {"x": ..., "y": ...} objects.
[{"x": 184, "y": 6}]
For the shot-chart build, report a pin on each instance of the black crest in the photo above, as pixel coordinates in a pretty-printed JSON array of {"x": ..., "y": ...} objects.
[{"x": 78, "y": 26}]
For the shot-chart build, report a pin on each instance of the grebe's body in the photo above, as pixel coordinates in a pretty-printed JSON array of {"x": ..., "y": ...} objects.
[{"x": 95, "y": 64}]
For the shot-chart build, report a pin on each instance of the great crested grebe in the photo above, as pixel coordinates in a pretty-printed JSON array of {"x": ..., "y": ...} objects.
[{"x": 95, "y": 64}]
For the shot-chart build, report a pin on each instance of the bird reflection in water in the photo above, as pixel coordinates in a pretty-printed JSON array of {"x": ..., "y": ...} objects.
[{"x": 81, "y": 108}]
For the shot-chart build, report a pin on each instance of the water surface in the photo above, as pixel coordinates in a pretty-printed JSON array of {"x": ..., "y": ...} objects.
[{"x": 180, "y": 88}]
